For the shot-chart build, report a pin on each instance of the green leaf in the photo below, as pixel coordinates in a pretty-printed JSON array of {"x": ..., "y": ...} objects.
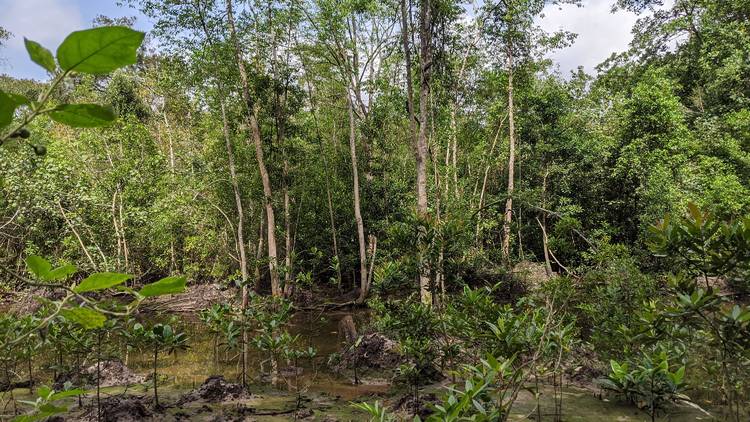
[
  {"x": 100, "y": 281},
  {"x": 60, "y": 273},
  {"x": 85, "y": 317},
  {"x": 83, "y": 115},
  {"x": 44, "y": 391},
  {"x": 7, "y": 109},
  {"x": 100, "y": 50},
  {"x": 165, "y": 286},
  {"x": 39, "y": 266},
  {"x": 66, "y": 393},
  {"x": 40, "y": 55}
]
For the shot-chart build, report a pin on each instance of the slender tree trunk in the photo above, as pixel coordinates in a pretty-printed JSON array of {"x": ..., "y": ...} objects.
[
  {"x": 237, "y": 201},
  {"x": 326, "y": 170},
  {"x": 407, "y": 60},
  {"x": 480, "y": 204},
  {"x": 511, "y": 161},
  {"x": 425, "y": 41},
  {"x": 259, "y": 251},
  {"x": 364, "y": 287},
  {"x": 240, "y": 228},
  {"x": 288, "y": 288},
  {"x": 252, "y": 112}
]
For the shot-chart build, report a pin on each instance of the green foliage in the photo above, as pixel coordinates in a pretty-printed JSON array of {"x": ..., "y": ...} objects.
[
  {"x": 647, "y": 382},
  {"x": 82, "y": 115},
  {"x": 377, "y": 412},
  {"x": 44, "y": 406},
  {"x": 95, "y": 51},
  {"x": 165, "y": 286},
  {"x": 101, "y": 281},
  {"x": 40, "y": 55},
  {"x": 99, "y": 50},
  {"x": 702, "y": 243},
  {"x": 85, "y": 317}
]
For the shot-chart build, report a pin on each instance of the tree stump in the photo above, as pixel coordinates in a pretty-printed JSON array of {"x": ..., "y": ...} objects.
[{"x": 347, "y": 330}]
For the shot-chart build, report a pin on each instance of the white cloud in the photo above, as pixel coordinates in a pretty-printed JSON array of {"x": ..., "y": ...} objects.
[
  {"x": 44, "y": 21},
  {"x": 600, "y": 33}
]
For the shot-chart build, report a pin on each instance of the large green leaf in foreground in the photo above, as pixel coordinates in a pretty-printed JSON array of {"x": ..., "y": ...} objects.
[{"x": 100, "y": 50}]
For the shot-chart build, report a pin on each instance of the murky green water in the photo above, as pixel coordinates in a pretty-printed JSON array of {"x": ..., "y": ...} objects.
[
  {"x": 190, "y": 368},
  {"x": 331, "y": 392}
]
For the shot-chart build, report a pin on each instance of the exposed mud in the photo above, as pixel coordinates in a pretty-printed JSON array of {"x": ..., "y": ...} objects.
[
  {"x": 194, "y": 299},
  {"x": 374, "y": 351},
  {"x": 114, "y": 372},
  {"x": 416, "y": 406},
  {"x": 123, "y": 409},
  {"x": 213, "y": 390}
]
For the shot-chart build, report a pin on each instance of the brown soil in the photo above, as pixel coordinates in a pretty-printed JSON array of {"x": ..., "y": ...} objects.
[
  {"x": 408, "y": 405},
  {"x": 26, "y": 302},
  {"x": 194, "y": 299},
  {"x": 374, "y": 351},
  {"x": 123, "y": 409},
  {"x": 114, "y": 372},
  {"x": 215, "y": 389}
]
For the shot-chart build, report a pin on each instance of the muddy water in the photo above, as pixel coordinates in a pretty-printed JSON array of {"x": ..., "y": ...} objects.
[{"x": 190, "y": 368}]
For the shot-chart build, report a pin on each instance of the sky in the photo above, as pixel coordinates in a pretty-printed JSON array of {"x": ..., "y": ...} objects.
[{"x": 600, "y": 33}]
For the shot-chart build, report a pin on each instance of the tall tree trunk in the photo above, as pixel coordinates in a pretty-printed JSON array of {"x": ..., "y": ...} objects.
[
  {"x": 237, "y": 201},
  {"x": 511, "y": 161},
  {"x": 252, "y": 116},
  {"x": 259, "y": 251},
  {"x": 364, "y": 285},
  {"x": 425, "y": 53},
  {"x": 407, "y": 60},
  {"x": 288, "y": 288},
  {"x": 240, "y": 231}
]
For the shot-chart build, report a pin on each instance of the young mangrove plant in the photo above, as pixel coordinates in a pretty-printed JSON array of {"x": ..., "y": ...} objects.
[{"x": 160, "y": 338}]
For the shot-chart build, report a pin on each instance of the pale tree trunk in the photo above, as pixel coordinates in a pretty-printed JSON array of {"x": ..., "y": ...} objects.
[
  {"x": 252, "y": 113},
  {"x": 407, "y": 59},
  {"x": 329, "y": 197},
  {"x": 364, "y": 285},
  {"x": 168, "y": 130},
  {"x": 425, "y": 41},
  {"x": 543, "y": 226},
  {"x": 240, "y": 231},
  {"x": 259, "y": 251},
  {"x": 238, "y": 202},
  {"x": 288, "y": 288},
  {"x": 511, "y": 162},
  {"x": 480, "y": 204}
]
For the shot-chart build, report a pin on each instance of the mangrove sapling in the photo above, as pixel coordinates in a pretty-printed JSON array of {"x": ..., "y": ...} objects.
[
  {"x": 45, "y": 406},
  {"x": 214, "y": 318},
  {"x": 649, "y": 383},
  {"x": 707, "y": 247},
  {"x": 293, "y": 357},
  {"x": 160, "y": 338},
  {"x": 29, "y": 346},
  {"x": 377, "y": 412},
  {"x": 271, "y": 315}
]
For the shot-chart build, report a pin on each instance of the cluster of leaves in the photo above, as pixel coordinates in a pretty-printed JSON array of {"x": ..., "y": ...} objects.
[
  {"x": 45, "y": 405},
  {"x": 648, "y": 383},
  {"x": 697, "y": 321},
  {"x": 90, "y": 313},
  {"x": 95, "y": 51},
  {"x": 157, "y": 338}
]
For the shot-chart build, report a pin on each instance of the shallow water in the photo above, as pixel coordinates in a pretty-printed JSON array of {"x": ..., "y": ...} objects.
[
  {"x": 190, "y": 368},
  {"x": 331, "y": 393}
]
